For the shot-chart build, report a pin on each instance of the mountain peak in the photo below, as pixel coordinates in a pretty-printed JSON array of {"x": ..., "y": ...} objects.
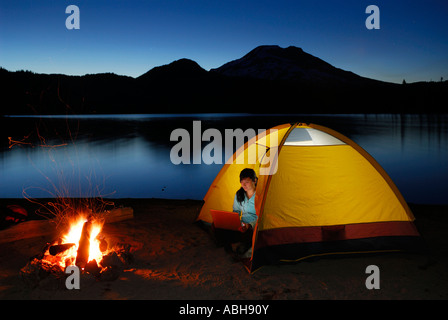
[
  {"x": 275, "y": 50},
  {"x": 182, "y": 68},
  {"x": 272, "y": 62}
]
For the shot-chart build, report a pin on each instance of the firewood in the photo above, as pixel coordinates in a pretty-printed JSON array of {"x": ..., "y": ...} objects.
[
  {"x": 82, "y": 255},
  {"x": 93, "y": 268},
  {"x": 59, "y": 248},
  {"x": 112, "y": 260}
]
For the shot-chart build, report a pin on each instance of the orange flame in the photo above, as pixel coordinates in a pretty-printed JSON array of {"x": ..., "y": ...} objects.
[{"x": 68, "y": 257}]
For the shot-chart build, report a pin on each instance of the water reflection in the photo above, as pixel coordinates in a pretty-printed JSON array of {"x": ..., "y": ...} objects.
[{"x": 129, "y": 155}]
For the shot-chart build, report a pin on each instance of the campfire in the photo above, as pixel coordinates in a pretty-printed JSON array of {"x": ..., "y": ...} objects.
[
  {"x": 81, "y": 244},
  {"x": 78, "y": 221}
]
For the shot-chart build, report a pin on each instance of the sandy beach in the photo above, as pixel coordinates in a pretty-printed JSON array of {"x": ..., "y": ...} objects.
[{"x": 174, "y": 259}]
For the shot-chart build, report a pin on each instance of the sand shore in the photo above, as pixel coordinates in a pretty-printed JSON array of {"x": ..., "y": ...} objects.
[{"x": 175, "y": 259}]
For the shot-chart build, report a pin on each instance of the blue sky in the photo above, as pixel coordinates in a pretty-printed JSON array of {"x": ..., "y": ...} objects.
[{"x": 131, "y": 37}]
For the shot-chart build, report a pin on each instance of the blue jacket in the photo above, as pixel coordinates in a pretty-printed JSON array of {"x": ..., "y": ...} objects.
[{"x": 246, "y": 209}]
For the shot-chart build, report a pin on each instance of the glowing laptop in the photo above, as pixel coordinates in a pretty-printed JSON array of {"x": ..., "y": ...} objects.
[{"x": 226, "y": 219}]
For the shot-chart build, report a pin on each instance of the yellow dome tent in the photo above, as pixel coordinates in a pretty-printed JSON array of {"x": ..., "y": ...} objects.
[{"x": 318, "y": 193}]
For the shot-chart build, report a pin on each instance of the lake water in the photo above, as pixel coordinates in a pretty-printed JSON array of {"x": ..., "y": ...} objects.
[{"x": 128, "y": 156}]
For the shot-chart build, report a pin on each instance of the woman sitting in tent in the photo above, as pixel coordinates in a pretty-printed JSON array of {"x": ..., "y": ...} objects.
[{"x": 244, "y": 204}]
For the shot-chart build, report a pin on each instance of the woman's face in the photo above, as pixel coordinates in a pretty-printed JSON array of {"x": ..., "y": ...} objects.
[{"x": 247, "y": 184}]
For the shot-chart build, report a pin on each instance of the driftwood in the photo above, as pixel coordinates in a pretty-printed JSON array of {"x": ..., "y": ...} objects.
[
  {"x": 39, "y": 228},
  {"x": 119, "y": 214},
  {"x": 28, "y": 229}
]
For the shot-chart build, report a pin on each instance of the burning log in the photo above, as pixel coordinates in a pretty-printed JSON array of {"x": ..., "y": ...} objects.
[
  {"x": 59, "y": 248},
  {"x": 82, "y": 255}
]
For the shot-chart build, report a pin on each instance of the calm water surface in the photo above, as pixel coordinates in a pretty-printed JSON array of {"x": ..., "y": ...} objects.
[{"x": 128, "y": 156}]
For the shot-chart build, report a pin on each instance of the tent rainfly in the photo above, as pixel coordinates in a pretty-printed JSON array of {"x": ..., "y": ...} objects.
[{"x": 318, "y": 193}]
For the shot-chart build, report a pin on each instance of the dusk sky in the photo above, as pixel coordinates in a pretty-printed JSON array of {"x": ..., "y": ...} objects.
[{"x": 131, "y": 37}]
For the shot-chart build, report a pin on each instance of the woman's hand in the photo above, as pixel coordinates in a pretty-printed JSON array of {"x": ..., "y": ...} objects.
[{"x": 244, "y": 227}]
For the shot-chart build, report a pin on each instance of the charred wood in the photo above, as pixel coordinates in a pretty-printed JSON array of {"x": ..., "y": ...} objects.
[
  {"x": 59, "y": 248},
  {"x": 82, "y": 255}
]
